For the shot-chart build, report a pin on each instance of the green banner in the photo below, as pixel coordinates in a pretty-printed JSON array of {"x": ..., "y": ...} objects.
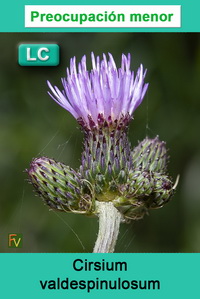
[
  {"x": 13, "y": 16},
  {"x": 107, "y": 275}
]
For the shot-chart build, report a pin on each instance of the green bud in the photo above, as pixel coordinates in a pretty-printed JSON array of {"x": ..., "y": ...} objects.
[
  {"x": 134, "y": 194},
  {"x": 60, "y": 186},
  {"x": 150, "y": 155},
  {"x": 163, "y": 190},
  {"x": 139, "y": 185},
  {"x": 143, "y": 191}
]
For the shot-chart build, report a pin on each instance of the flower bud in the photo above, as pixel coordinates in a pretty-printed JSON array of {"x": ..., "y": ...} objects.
[
  {"x": 143, "y": 191},
  {"x": 163, "y": 190},
  {"x": 60, "y": 186},
  {"x": 135, "y": 194},
  {"x": 150, "y": 155}
]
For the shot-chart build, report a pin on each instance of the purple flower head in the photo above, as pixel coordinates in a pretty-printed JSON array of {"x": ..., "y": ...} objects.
[{"x": 104, "y": 91}]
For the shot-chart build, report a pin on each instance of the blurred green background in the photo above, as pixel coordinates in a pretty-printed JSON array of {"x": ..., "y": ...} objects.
[{"x": 31, "y": 125}]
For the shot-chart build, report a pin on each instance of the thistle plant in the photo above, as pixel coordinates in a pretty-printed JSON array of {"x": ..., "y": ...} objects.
[{"x": 114, "y": 181}]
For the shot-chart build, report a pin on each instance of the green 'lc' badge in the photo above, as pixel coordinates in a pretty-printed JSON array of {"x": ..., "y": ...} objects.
[{"x": 38, "y": 55}]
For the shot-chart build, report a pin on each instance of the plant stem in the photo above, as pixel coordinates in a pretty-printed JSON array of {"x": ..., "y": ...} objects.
[{"x": 109, "y": 223}]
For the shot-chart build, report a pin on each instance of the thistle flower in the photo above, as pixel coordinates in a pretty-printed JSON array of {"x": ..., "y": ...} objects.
[
  {"x": 113, "y": 181},
  {"x": 103, "y": 94}
]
